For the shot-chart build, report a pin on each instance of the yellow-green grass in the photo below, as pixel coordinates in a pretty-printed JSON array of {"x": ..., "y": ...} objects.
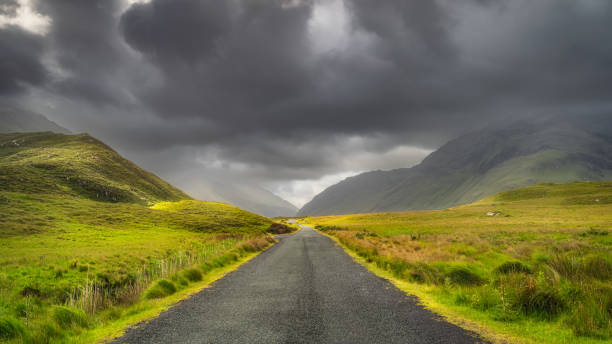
[
  {"x": 529, "y": 265},
  {"x": 77, "y": 165},
  {"x": 100, "y": 258},
  {"x": 113, "y": 326}
]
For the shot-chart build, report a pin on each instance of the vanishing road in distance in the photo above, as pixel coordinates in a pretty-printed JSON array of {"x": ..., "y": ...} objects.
[{"x": 305, "y": 289}]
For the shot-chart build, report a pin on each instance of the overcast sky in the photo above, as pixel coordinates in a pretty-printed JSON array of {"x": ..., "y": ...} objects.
[{"x": 295, "y": 95}]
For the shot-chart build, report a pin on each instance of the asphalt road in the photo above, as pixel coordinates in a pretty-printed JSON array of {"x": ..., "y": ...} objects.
[{"x": 305, "y": 289}]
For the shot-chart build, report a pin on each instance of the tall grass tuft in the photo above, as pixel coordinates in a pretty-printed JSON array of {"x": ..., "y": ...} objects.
[
  {"x": 513, "y": 267},
  {"x": 10, "y": 328},
  {"x": 69, "y": 317},
  {"x": 160, "y": 289},
  {"x": 463, "y": 276},
  {"x": 193, "y": 275}
]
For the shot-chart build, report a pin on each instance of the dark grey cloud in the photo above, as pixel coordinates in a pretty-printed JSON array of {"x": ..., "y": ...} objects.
[
  {"x": 20, "y": 60},
  {"x": 287, "y": 89},
  {"x": 226, "y": 61},
  {"x": 84, "y": 42}
]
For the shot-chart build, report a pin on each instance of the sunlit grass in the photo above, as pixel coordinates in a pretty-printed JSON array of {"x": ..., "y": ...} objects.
[
  {"x": 94, "y": 256},
  {"x": 532, "y": 264},
  {"x": 90, "y": 242}
]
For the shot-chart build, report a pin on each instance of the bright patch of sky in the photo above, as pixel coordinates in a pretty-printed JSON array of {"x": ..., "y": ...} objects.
[{"x": 27, "y": 18}]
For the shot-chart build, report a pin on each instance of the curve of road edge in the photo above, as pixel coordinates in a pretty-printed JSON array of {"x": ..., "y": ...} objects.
[{"x": 304, "y": 289}]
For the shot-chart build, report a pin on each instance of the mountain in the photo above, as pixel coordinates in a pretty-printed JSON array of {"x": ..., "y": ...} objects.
[
  {"x": 243, "y": 195},
  {"x": 78, "y": 165},
  {"x": 471, "y": 167},
  {"x": 13, "y": 120},
  {"x": 76, "y": 217}
]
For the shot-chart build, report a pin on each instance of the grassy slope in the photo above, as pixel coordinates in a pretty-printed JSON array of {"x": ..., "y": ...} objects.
[
  {"x": 77, "y": 165},
  {"x": 76, "y": 230},
  {"x": 452, "y": 258}
]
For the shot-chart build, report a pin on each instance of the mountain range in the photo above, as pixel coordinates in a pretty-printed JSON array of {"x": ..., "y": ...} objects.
[
  {"x": 496, "y": 158},
  {"x": 243, "y": 195}
]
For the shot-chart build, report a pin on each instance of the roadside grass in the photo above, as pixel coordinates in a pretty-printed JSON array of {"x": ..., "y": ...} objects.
[
  {"x": 89, "y": 240},
  {"x": 70, "y": 266},
  {"x": 530, "y": 265},
  {"x": 115, "y": 321}
]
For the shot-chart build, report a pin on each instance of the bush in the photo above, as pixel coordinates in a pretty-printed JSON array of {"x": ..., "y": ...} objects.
[
  {"x": 68, "y": 317},
  {"x": 10, "y": 328},
  {"x": 513, "y": 267},
  {"x": 463, "y": 276},
  {"x": 193, "y": 275},
  {"x": 279, "y": 228},
  {"x": 160, "y": 289}
]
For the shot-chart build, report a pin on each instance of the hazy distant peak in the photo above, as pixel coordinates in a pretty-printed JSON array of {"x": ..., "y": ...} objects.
[
  {"x": 479, "y": 164},
  {"x": 14, "y": 120}
]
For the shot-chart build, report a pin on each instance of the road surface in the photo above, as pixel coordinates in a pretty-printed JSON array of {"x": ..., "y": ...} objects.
[{"x": 305, "y": 289}]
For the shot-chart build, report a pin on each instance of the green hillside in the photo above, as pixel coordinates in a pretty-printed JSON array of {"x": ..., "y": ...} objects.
[
  {"x": 530, "y": 265},
  {"x": 91, "y": 243},
  {"x": 479, "y": 164},
  {"x": 77, "y": 165}
]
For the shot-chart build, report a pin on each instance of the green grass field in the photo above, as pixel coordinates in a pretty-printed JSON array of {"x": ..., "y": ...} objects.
[
  {"x": 529, "y": 265},
  {"x": 90, "y": 243}
]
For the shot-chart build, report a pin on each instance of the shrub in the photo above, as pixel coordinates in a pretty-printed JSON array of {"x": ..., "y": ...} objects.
[
  {"x": 463, "y": 276},
  {"x": 279, "y": 228},
  {"x": 160, "y": 289},
  {"x": 193, "y": 275},
  {"x": 68, "y": 317},
  {"x": 513, "y": 267},
  {"x": 10, "y": 328}
]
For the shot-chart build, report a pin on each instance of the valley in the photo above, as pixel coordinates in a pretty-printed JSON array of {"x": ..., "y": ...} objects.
[{"x": 531, "y": 265}]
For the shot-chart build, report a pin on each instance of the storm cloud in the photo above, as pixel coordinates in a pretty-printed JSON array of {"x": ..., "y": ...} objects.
[
  {"x": 285, "y": 91},
  {"x": 20, "y": 60}
]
